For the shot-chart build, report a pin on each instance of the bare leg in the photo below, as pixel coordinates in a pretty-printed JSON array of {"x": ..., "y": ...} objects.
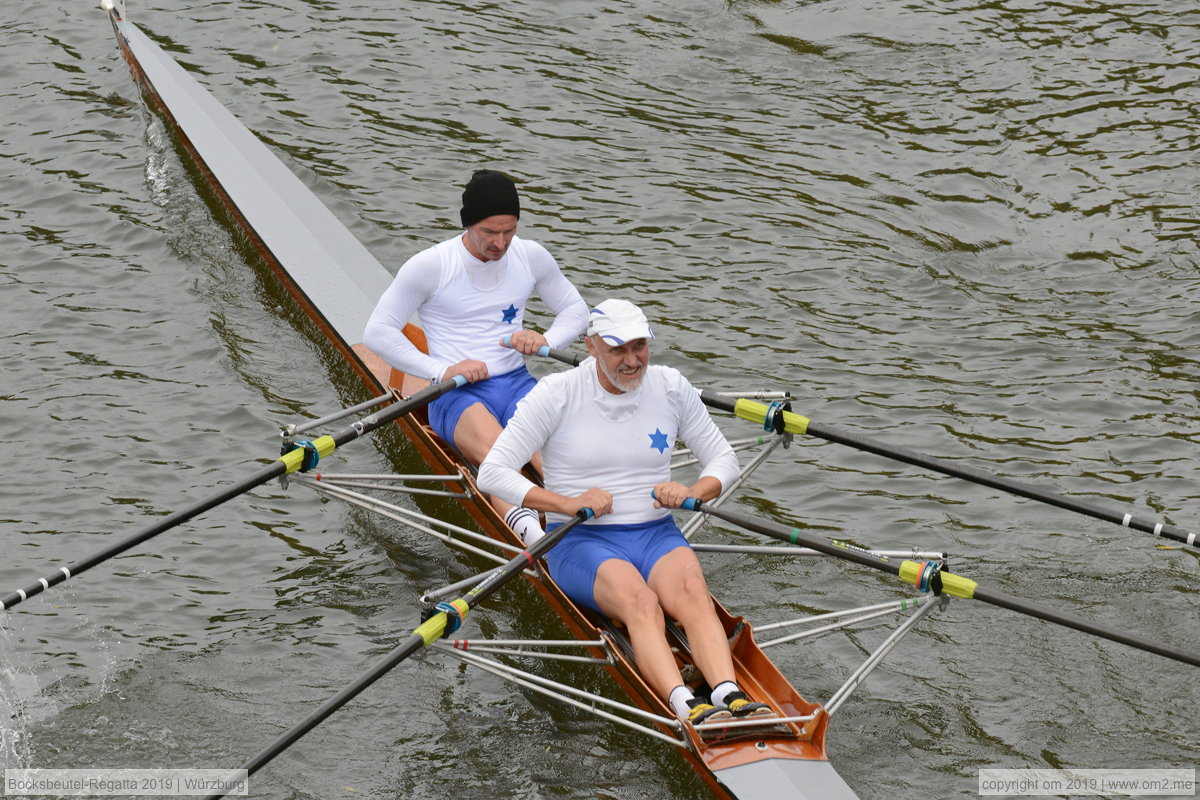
[
  {"x": 678, "y": 582},
  {"x": 474, "y": 435},
  {"x": 621, "y": 594},
  {"x": 476, "y": 432}
]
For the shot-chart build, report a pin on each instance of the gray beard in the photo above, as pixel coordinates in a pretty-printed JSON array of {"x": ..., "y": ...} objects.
[{"x": 618, "y": 380}]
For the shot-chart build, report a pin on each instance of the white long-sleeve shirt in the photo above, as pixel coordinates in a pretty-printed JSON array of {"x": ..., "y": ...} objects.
[
  {"x": 621, "y": 443},
  {"x": 467, "y": 306}
]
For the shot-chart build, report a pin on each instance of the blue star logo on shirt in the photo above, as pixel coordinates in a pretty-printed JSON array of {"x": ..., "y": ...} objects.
[
  {"x": 658, "y": 440},
  {"x": 510, "y": 313}
]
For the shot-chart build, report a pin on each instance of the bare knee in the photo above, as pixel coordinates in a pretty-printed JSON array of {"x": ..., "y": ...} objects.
[
  {"x": 691, "y": 599},
  {"x": 641, "y": 609},
  {"x": 476, "y": 432}
]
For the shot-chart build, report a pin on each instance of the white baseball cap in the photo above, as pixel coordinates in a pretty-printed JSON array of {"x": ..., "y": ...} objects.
[{"x": 617, "y": 322}]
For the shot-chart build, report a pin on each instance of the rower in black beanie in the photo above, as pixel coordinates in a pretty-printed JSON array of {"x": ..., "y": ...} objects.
[
  {"x": 487, "y": 194},
  {"x": 470, "y": 292}
]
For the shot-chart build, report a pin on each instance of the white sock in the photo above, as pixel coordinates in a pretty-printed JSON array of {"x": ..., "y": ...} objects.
[
  {"x": 526, "y": 524},
  {"x": 722, "y": 691},
  {"x": 678, "y": 701}
]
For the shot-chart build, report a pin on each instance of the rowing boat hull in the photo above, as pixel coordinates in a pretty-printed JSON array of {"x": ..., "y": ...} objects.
[{"x": 337, "y": 282}]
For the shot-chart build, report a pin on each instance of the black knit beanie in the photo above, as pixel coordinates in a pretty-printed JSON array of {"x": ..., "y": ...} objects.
[{"x": 489, "y": 193}]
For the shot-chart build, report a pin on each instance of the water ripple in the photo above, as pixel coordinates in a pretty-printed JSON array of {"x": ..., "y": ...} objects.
[{"x": 967, "y": 227}]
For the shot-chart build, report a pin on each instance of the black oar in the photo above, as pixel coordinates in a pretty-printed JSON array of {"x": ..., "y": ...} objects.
[
  {"x": 302, "y": 458},
  {"x": 447, "y": 620},
  {"x": 926, "y": 576},
  {"x": 787, "y": 422},
  {"x": 774, "y": 418}
]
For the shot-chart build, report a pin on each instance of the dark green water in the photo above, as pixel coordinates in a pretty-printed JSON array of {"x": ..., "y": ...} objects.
[{"x": 968, "y": 228}]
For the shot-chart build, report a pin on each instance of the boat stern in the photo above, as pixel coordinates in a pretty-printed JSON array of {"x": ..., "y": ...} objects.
[{"x": 784, "y": 779}]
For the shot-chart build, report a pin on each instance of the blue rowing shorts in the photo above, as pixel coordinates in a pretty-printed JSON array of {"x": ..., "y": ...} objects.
[
  {"x": 499, "y": 395},
  {"x": 574, "y": 561}
]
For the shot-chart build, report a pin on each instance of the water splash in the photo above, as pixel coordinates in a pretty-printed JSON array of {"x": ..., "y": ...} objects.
[{"x": 17, "y": 688}]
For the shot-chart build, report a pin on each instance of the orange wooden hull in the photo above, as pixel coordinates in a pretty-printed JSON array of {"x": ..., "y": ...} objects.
[{"x": 756, "y": 673}]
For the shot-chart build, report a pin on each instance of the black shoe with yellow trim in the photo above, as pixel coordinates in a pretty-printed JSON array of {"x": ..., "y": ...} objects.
[
  {"x": 741, "y": 707},
  {"x": 702, "y": 711}
]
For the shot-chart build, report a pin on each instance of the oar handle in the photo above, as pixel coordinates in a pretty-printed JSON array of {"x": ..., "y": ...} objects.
[
  {"x": 689, "y": 504},
  {"x": 546, "y": 351},
  {"x": 543, "y": 351}
]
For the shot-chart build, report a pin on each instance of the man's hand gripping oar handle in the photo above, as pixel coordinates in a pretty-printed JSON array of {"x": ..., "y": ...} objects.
[
  {"x": 546, "y": 351},
  {"x": 301, "y": 458},
  {"x": 432, "y": 629}
]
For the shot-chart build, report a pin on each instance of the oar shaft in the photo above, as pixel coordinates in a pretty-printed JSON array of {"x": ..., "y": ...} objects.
[
  {"x": 1019, "y": 488},
  {"x": 428, "y": 632},
  {"x": 795, "y": 536},
  {"x": 565, "y": 356},
  {"x": 794, "y": 423},
  {"x": 797, "y": 424},
  {"x": 410, "y": 646},
  {"x": 265, "y": 474},
  {"x": 1129, "y": 638},
  {"x": 290, "y": 462},
  {"x": 396, "y": 410},
  {"x": 955, "y": 585}
]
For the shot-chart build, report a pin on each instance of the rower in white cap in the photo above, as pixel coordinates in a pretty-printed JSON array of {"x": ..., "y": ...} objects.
[{"x": 606, "y": 430}]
